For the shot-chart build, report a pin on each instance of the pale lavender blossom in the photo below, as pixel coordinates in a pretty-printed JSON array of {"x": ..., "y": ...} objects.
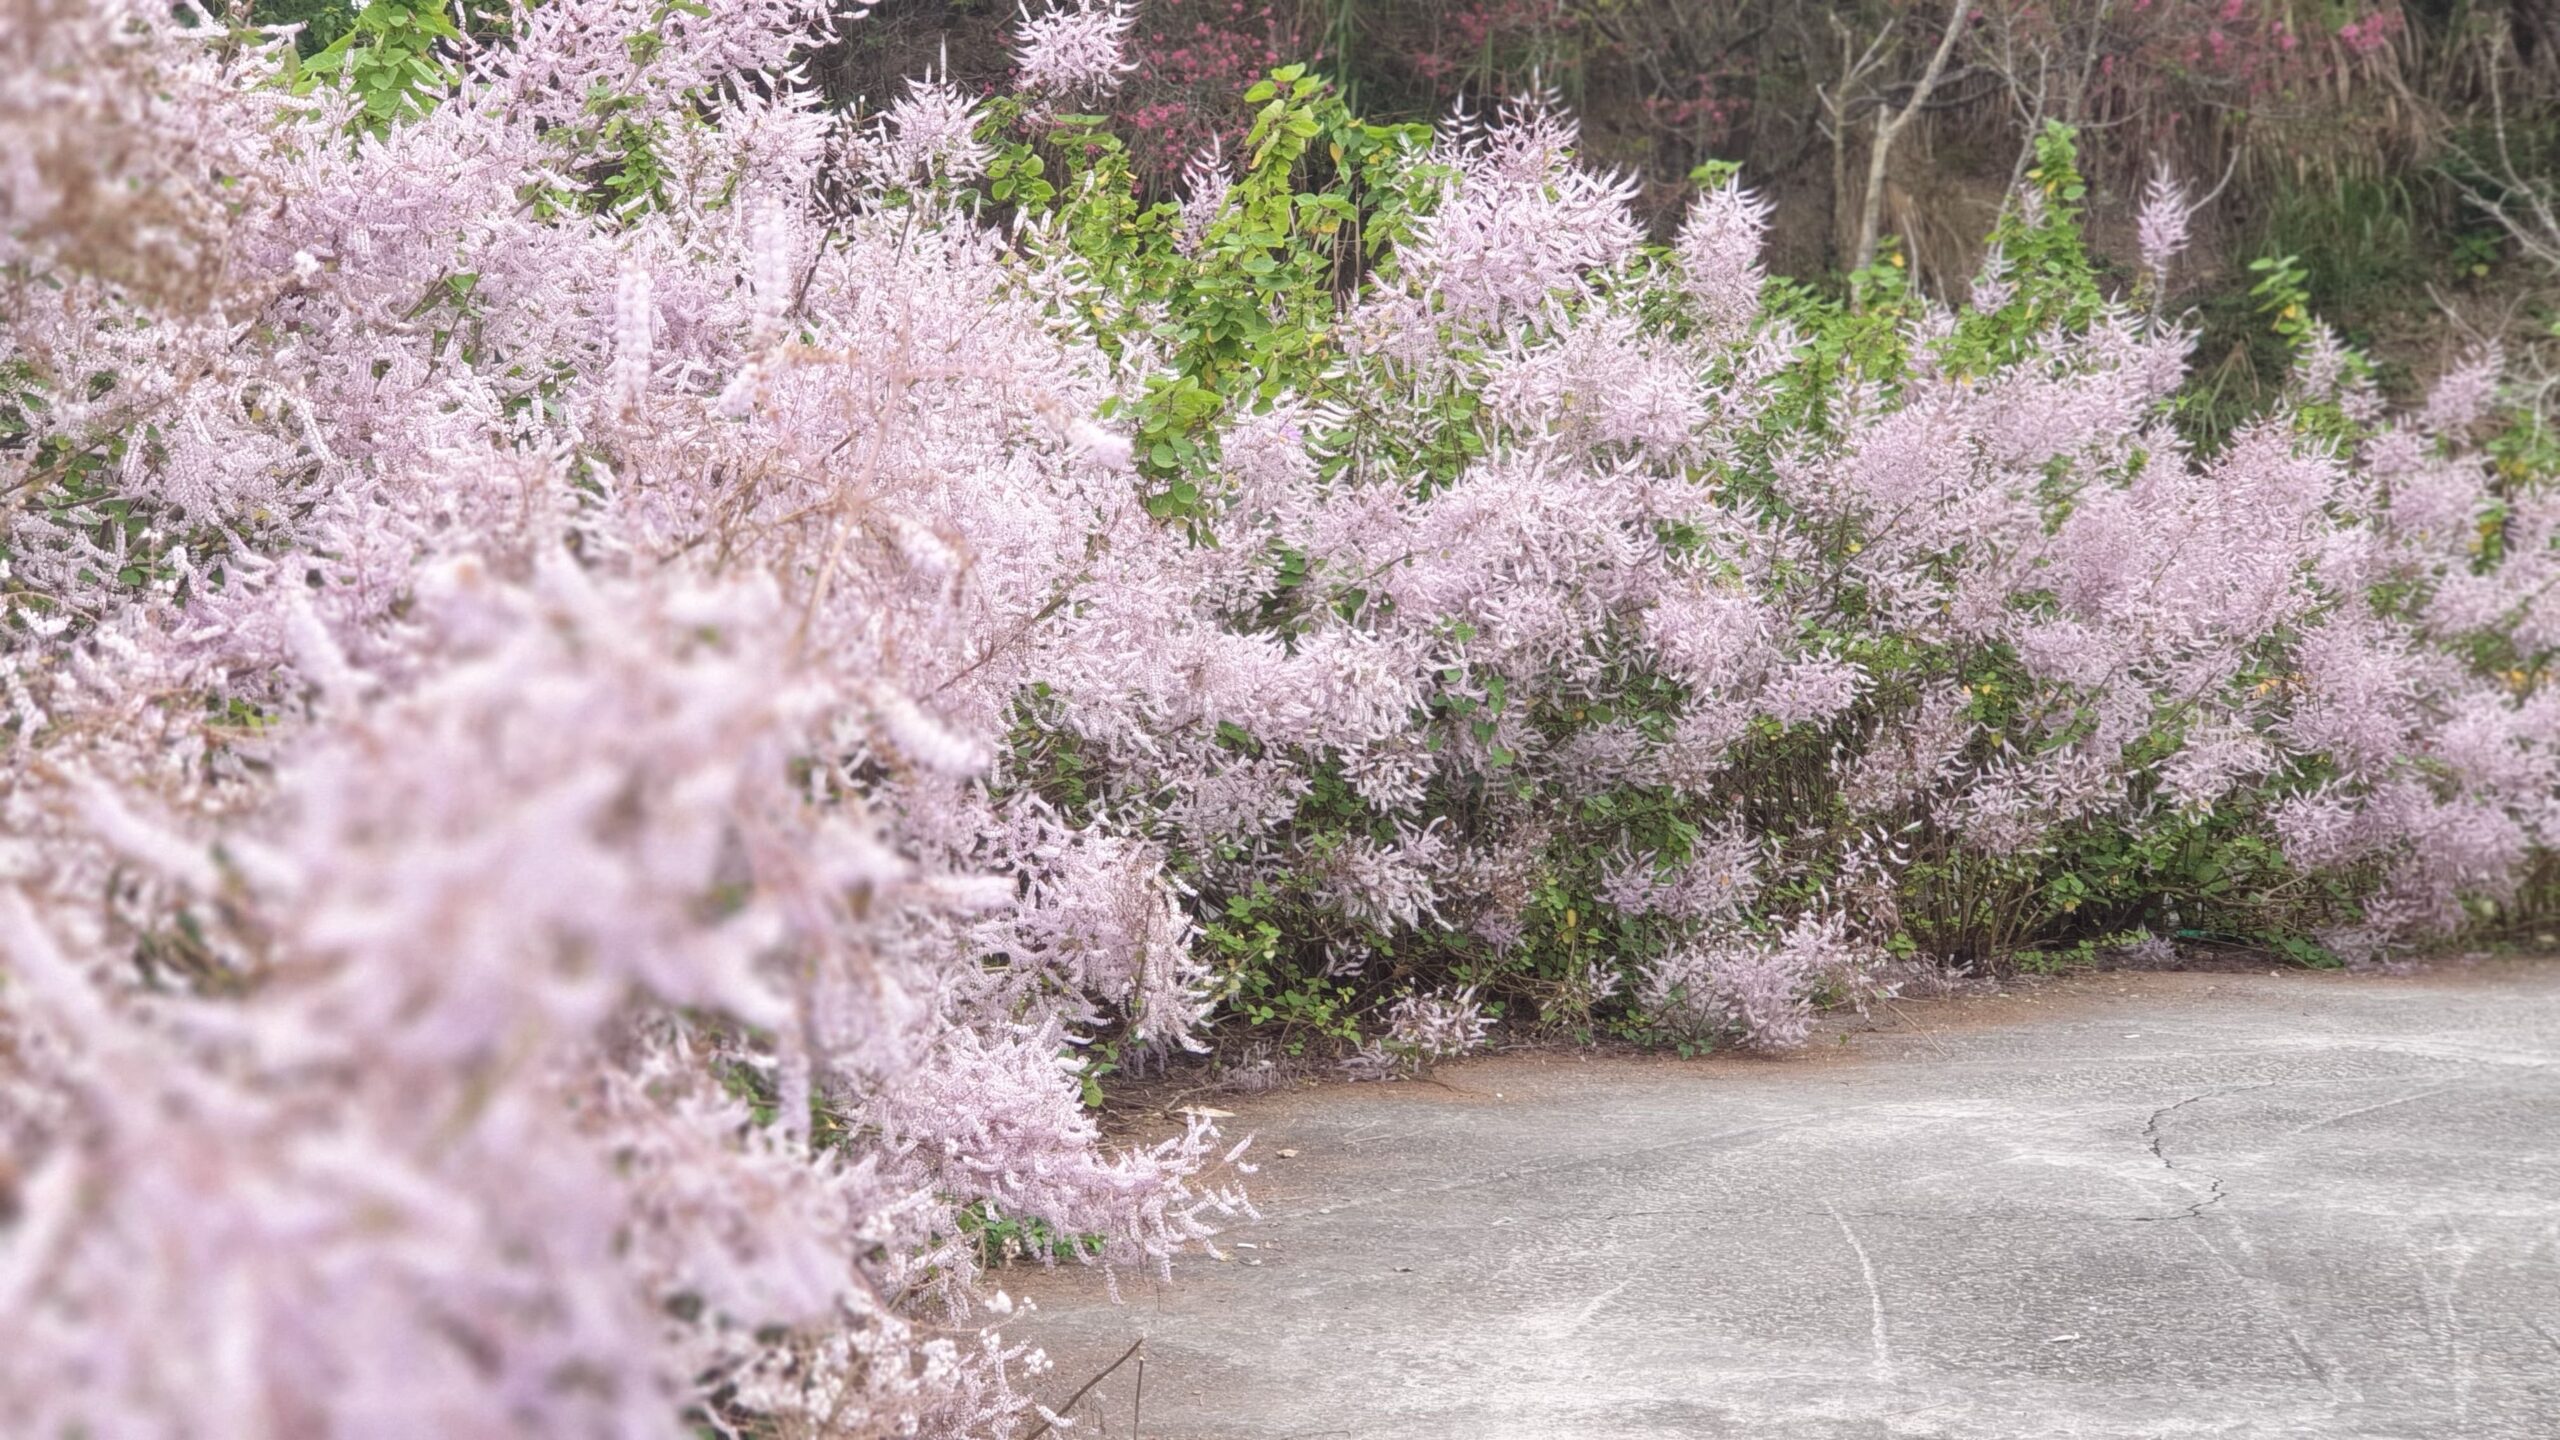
[
  {"x": 2464, "y": 392},
  {"x": 1112, "y": 452},
  {"x": 2213, "y": 760},
  {"x": 930, "y": 134},
  {"x": 634, "y": 326},
  {"x": 1812, "y": 690},
  {"x": 1206, "y": 184},
  {"x": 1717, "y": 883},
  {"x": 1719, "y": 250},
  {"x": 1518, "y": 225},
  {"x": 2162, "y": 227},
  {"x": 1758, "y": 990},
  {"x": 1995, "y": 283},
  {"x": 772, "y": 270},
  {"x": 1388, "y": 886},
  {"x": 1438, "y": 1027},
  {"x": 1074, "y": 50},
  {"x": 1422, "y": 1029}
]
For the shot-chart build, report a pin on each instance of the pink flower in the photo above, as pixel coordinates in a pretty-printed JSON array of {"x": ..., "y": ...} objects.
[{"x": 1074, "y": 50}]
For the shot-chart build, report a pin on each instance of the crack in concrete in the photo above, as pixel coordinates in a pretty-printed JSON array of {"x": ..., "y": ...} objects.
[
  {"x": 2215, "y": 1192},
  {"x": 2350, "y": 1114},
  {"x": 1879, "y": 1341}
]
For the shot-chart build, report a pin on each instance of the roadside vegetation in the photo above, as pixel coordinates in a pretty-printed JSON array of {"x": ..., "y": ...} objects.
[{"x": 630, "y": 688}]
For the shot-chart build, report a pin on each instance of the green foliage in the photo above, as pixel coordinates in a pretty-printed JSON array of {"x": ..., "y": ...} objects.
[
  {"x": 2048, "y": 259},
  {"x": 1001, "y": 1239},
  {"x": 1320, "y": 198},
  {"x": 388, "y": 55},
  {"x": 1248, "y": 312},
  {"x": 2358, "y": 250},
  {"x": 614, "y": 150},
  {"x": 322, "y": 21},
  {"x": 2283, "y": 295},
  {"x": 2354, "y": 243}
]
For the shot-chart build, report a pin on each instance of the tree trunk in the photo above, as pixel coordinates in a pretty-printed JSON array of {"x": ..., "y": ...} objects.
[{"x": 1871, "y": 213}]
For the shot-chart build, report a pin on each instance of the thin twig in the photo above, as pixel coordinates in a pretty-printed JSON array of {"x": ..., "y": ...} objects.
[{"x": 1134, "y": 1347}]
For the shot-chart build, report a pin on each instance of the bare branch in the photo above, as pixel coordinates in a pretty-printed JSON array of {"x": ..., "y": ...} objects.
[{"x": 1888, "y": 130}]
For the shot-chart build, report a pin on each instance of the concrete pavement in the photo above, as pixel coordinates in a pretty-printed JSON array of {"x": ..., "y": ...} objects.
[{"x": 2121, "y": 1205}]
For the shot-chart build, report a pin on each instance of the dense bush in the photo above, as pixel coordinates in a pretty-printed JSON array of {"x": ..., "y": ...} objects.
[{"x": 623, "y": 689}]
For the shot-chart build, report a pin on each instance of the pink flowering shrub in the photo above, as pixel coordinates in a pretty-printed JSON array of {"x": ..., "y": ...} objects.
[
  {"x": 1762, "y": 990},
  {"x": 621, "y": 689},
  {"x": 504, "y": 929},
  {"x": 1420, "y": 1029}
]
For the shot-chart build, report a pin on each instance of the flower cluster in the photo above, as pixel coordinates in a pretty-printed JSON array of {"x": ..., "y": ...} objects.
[
  {"x": 1421, "y": 1029},
  {"x": 1074, "y": 52}
]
